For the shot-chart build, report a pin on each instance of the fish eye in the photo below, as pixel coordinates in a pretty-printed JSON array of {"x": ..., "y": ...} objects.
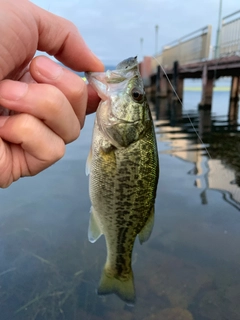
[{"x": 137, "y": 95}]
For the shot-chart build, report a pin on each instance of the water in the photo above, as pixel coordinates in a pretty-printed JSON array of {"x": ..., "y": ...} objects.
[{"x": 189, "y": 269}]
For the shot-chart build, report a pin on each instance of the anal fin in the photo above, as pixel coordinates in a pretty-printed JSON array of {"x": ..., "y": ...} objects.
[
  {"x": 146, "y": 231},
  {"x": 88, "y": 163},
  {"x": 94, "y": 231}
]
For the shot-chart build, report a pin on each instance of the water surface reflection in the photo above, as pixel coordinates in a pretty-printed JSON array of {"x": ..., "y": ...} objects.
[
  {"x": 217, "y": 160},
  {"x": 189, "y": 269}
]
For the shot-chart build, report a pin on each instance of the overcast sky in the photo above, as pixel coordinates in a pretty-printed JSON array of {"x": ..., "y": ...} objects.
[{"x": 112, "y": 29}]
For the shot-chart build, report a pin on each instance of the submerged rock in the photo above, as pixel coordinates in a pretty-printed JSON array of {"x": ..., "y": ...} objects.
[
  {"x": 179, "y": 281},
  {"x": 211, "y": 306},
  {"x": 232, "y": 299}
]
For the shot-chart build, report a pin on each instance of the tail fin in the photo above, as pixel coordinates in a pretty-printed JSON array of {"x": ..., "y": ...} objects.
[{"x": 124, "y": 289}]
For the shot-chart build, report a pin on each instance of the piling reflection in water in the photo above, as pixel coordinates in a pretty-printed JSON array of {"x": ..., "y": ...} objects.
[{"x": 221, "y": 137}]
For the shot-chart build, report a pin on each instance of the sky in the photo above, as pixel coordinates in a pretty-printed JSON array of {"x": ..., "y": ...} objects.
[{"x": 113, "y": 29}]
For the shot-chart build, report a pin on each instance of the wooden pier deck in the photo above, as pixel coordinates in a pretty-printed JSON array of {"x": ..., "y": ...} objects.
[
  {"x": 216, "y": 68},
  {"x": 209, "y": 71},
  {"x": 190, "y": 57}
]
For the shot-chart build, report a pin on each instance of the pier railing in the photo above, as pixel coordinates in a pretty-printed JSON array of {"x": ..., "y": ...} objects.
[
  {"x": 230, "y": 35},
  {"x": 193, "y": 47}
]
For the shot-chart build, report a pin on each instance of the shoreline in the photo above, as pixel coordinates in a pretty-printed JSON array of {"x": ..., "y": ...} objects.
[{"x": 198, "y": 89}]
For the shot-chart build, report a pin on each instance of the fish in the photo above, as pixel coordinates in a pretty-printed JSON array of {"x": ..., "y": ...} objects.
[{"x": 123, "y": 169}]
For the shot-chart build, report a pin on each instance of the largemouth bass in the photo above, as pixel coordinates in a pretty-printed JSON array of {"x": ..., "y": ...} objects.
[{"x": 123, "y": 168}]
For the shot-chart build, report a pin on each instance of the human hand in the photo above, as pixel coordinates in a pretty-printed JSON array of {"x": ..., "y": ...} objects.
[{"x": 48, "y": 103}]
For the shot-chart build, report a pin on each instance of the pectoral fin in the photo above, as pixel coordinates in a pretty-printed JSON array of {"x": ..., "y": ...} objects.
[
  {"x": 88, "y": 163},
  {"x": 146, "y": 231},
  {"x": 94, "y": 231}
]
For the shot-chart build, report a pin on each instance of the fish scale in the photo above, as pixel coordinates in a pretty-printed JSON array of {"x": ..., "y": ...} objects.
[{"x": 123, "y": 168}]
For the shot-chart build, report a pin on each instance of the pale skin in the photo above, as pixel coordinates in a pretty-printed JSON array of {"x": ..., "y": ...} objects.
[{"x": 47, "y": 102}]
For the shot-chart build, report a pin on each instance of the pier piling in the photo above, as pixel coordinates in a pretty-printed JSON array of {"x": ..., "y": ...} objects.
[
  {"x": 189, "y": 58},
  {"x": 158, "y": 84},
  {"x": 233, "y": 101},
  {"x": 207, "y": 89},
  {"x": 177, "y": 81},
  {"x": 234, "y": 89},
  {"x": 161, "y": 84}
]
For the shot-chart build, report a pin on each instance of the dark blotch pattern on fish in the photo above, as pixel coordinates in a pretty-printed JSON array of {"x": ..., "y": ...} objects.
[{"x": 124, "y": 173}]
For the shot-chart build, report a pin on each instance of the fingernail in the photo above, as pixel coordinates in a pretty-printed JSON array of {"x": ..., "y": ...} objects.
[
  {"x": 13, "y": 90},
  {"x": 48, "y": 68},
  {"x": 3, "y": 120}
]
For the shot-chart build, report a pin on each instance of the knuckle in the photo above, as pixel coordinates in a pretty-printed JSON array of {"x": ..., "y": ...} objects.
[
  {"x": 75, "y": 131},
  {"x": 54, "y": 100},
  {"x": 79, "y": 89},
  {"x": 59, "y": 150},
  {"x": 69, "y": 25},
  {"x": 26, "y": 123}
]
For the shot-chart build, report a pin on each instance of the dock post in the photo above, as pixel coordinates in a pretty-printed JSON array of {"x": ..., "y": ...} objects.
[
  {"x": 169, "y": 89},
  {"x": 175, "y": 74},
  {"x": 233, "y": 102},
  {"x": 177, "y": 82},
  {"x": 158, "y": 74},
  {"x": 180, "y": 88},
  {"x": 207, "y": 89},
  {"x": 161, "y": 83}
]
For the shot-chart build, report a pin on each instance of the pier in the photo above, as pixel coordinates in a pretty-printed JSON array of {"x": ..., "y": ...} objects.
[{"x": 193, "y": 57}]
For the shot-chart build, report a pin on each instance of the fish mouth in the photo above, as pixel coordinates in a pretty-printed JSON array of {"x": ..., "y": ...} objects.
[
  {"x": 106, "y": 83},
  {"x": 97, "y": 81}
]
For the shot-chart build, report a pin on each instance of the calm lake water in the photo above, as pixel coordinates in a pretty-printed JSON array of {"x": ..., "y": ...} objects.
[{"x": 189, "y": 269}]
